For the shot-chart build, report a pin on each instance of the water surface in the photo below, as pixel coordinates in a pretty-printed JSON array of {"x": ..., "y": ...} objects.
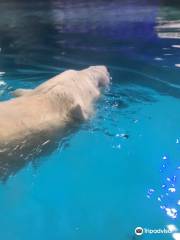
[{"x": 121, "y": 169}]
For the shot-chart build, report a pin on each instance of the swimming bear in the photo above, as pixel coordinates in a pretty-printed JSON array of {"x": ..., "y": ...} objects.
[{"x": 35, "y": 115}]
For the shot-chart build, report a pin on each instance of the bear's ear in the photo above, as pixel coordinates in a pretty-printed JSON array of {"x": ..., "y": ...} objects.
[
  {"x": 78, "y": 114},
  {"x": 21, "y": 92}
]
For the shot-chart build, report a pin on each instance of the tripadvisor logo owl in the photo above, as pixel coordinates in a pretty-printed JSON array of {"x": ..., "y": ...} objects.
[{"x": 139, "y": 231}]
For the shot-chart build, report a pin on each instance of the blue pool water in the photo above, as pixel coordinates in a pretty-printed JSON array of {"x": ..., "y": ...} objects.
[{"x": 121, "y": 169}]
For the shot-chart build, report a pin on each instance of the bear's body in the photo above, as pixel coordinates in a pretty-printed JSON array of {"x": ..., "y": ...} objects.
[{"x": 51, "y": 107}]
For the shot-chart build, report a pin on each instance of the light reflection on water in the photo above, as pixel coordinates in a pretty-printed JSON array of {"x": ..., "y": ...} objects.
[{"x": 167, "y": 194}]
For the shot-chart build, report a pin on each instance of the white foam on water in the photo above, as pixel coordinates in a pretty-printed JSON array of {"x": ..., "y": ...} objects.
[
  {"x": 171, "y": 212},
  {"x": 2, "y": 83},
  {"x": 172, "y": 189}
]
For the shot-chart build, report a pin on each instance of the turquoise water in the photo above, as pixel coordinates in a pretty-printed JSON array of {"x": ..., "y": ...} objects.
[{"x": 121, "y": 169}]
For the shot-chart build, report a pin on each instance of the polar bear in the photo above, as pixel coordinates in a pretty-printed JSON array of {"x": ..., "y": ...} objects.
[{"x": 36, "y": 115}]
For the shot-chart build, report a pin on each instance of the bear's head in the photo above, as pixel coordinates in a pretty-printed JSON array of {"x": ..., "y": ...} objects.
[{"x": 99, "y": 75}]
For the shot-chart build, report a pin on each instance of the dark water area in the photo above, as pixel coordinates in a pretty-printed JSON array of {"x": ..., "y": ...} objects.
[
  {"x": 121, "y": 169},
  {"x": 46, "y": 37}
]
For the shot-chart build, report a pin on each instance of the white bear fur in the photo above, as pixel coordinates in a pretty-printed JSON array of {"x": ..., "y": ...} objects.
[{"x": 60, "y": 101}]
